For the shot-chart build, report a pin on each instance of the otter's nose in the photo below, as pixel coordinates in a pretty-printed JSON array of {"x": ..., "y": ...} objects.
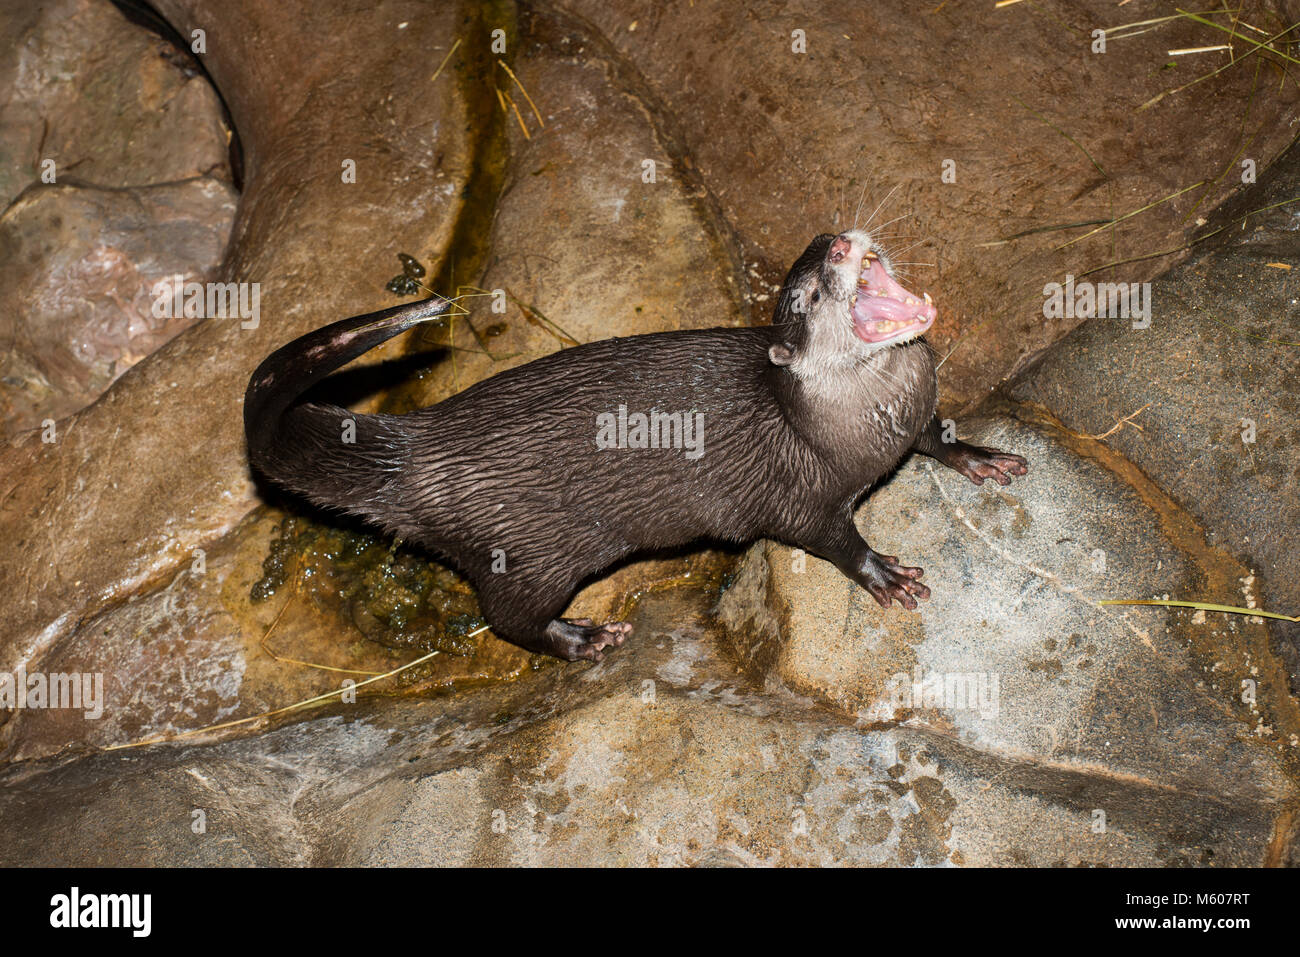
[{"x": 841, "y": 246}]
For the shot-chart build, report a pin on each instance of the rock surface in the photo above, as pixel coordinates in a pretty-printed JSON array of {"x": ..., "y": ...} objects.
[
  {"x": 1040, "y": 131},
  {"x": 1025, "y": 664},
  {"x": 102, "y": 99},
  {"x": 582, "y": 249},
  {"x": 113, "y": 175},
  {"x": 89, "y": 533},
  {"x": 660, "y": 756},
  {"x": 78, "y": 269},
  {"x": 1214, "y": 378}
]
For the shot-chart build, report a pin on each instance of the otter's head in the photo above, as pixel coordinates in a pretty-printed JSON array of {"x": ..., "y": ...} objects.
[{"x": 840, "y": 304}]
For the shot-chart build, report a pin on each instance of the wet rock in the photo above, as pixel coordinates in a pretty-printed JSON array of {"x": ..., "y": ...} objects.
[
  {"x": 200, "y": 651},
  {"x": 1210, "y": 389}
]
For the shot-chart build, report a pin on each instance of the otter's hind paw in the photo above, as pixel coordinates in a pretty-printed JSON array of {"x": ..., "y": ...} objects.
[{"x": 578, "y": 639}]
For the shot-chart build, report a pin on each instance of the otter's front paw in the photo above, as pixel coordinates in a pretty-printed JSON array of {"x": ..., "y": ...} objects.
[
  {"x": 887, "y": 580},
  {"x": 978, "y": 463}
]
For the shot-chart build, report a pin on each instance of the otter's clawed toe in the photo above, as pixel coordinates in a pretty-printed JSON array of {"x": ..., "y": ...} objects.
[
  {"x": 579, "y": 639},
  {"x": 979, "y": 463}
]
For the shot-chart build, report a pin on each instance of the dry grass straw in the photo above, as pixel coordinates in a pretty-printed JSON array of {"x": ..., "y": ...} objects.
[{"x": 1201, "y": 606}]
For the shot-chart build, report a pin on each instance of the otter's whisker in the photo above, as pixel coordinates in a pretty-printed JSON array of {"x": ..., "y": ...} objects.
[
  {"x": 895, "y": 219},
  {"x": 867, "y": 224},
  {"x": 861, "y": 196}
]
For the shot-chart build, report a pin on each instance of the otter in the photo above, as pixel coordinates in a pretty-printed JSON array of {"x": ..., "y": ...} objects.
[{"x": 542, "y": 476}]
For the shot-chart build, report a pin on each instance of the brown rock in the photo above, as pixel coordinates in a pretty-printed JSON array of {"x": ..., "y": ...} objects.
[
  {"x": 1043, "y": 133},
  {"x": 102, "y": 98},
  {"x": 147, "y": 495},
  {"x": 78, "y": 266}
]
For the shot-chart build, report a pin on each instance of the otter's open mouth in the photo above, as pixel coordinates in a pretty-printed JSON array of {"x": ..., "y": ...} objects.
[{"x": 884, "y": 310}]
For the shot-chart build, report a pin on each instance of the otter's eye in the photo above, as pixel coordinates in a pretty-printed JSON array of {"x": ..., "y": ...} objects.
[{"x": 816, "y": 295}]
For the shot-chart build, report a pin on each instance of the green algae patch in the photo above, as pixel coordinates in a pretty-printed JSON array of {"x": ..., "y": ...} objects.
[{"x": 392, "y": 595}]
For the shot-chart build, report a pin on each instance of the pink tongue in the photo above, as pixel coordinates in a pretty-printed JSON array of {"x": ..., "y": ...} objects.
[{"x": 888, "y": 304}]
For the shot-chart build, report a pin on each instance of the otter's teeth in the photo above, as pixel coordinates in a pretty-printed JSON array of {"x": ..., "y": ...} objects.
[{"x": 928, "y": 300}]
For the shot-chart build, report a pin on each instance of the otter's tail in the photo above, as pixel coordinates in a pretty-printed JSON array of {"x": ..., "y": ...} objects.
[{"x": 332, "y": 457}]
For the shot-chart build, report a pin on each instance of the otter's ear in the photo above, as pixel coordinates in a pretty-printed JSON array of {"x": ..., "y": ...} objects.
[{"x": 781, "y": 354}]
